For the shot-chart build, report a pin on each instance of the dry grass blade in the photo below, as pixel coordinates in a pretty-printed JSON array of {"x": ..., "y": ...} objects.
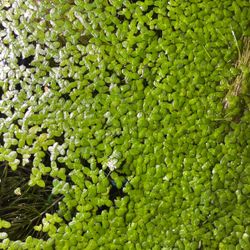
[
  {"x": 243, "y": 61},
  {"x": 27, "y": 210}
]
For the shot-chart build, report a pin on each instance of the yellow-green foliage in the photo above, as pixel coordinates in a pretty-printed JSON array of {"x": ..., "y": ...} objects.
[{"x": 121, "y": 103}]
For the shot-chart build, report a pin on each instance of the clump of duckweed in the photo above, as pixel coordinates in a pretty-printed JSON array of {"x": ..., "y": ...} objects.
[{"x": 120, "y": 105}]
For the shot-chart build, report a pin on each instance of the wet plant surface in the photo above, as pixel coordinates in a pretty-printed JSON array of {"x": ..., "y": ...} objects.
[{"x": 124, "y": 124}]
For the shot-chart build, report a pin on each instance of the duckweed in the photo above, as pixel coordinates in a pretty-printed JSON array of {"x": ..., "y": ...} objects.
[{"x": 127, "y": 107}]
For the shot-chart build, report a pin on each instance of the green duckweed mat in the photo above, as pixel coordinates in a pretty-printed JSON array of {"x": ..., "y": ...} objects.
[{"x": 124, "y": 124}]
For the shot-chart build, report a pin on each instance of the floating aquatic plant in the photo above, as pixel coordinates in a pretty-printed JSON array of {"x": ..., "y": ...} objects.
[{"x": 129, "y": 121}]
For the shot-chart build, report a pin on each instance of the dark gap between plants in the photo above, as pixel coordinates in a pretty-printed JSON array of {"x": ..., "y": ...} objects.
[
  {"x": 26, "y": 209},
  {"x": 53, "y": 63},
  {"x": 1, "y": 137},
  {"x": 18, "y": 86},
  {"x": 158, "y": 33},
  {"x": 2, "y": 115},
  {"x": 155, "y": 15},
  {"x": 65, "y": 96},
  {"x": 43, "y": 131},
  {"x": 115, "y": 192},
  {"x": 94, "y": 93},
  {"x": 25, "y": 61},
  {"x": 59, "y": 139},
  {"x": 69, "y": 79},
  {"x": 84, "y": 40},
  {"x": 84, "y": 162},
  {"x": 12, "y": 109},
  {"x": 102, "y": 208},
  {"x": 122, "y": 18},
  {"x": 7, "y": 8},
  {"x": 1, "y": 93}
]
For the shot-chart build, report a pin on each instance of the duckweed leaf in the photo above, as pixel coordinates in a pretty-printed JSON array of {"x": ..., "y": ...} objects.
[{"x": 121, "y": 104}]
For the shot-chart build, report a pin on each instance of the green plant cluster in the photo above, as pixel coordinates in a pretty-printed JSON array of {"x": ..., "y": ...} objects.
[{"x": 121, "y": 103}]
